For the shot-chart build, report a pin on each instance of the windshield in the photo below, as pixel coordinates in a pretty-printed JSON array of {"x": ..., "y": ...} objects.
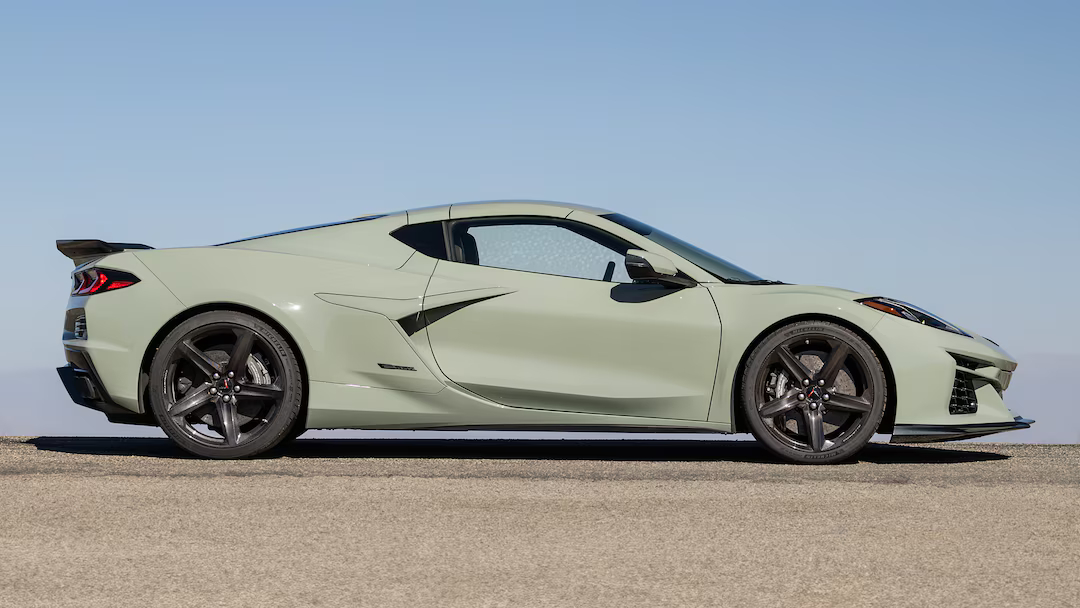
[{"x": 718, "y": 267}]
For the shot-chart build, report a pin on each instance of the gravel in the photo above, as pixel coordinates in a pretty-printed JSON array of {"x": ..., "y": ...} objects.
[{"x": 124, "y": 521}]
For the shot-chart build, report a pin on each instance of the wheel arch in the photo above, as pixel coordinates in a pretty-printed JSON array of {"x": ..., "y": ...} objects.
[
  {"x": 738, "y": 418},
  {"x": 152, "y": 347}
]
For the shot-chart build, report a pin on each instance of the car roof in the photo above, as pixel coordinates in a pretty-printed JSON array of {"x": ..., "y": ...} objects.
[{"x": 521, "y": 201}]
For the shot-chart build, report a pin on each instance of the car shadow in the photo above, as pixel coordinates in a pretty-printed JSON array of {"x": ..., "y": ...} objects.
[{"x": 658, "y": 450}]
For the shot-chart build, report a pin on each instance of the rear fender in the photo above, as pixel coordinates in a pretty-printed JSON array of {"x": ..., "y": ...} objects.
[{"x": 342, "y": 316}]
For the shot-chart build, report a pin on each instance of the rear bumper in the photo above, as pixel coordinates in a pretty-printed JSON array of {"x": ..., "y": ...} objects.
[
  {"x": 85, "y": 388},
  {"x": 927, "y": 433}
]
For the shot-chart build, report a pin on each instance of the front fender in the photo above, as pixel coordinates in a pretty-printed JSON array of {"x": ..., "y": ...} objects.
[{"x": 749, "y": 312}]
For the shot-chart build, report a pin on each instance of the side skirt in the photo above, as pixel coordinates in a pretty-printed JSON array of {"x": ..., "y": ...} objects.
[{"x": 574, "y": 428}]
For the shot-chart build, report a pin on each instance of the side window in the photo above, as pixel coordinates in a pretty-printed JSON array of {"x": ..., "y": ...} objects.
[
  {"x": 426, "y": 238},
  {"x": 542, "y": 247}
]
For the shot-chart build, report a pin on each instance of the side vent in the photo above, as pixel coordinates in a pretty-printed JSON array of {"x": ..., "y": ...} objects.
[
  {"x": 80, "y": 328},
  {"x": 415, "y": 322}
]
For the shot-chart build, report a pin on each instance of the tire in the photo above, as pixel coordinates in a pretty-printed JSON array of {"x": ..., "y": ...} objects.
[
  {"x": 297, "y": 430},
  {"x": 215, "y": 404},
  {"x": 814, "y": 392}
]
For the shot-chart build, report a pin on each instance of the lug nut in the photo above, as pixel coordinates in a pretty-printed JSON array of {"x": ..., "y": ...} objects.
[
  {"x": 825, "y": 397},
  {"x": 800, "y": 396},
  {"x": 806, "y": 382},
  {"x": 813, "y": 406},
  {"x": 226, "y": 398},
  {"x": 216, "y": 375},
  {"x": 232, "y": 374},
  {"x": 213, "y": 391},
  {"x": 821, "y": 383},
  {"x": 236, "y": 388}
]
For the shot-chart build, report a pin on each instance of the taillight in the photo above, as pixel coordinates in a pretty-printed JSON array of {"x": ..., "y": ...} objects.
[{"x": 97, "y": 280}]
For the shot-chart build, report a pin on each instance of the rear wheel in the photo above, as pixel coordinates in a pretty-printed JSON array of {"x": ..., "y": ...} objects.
[
  {"x": 814, "y": 392},
  {"x": 224, "y": 384}
]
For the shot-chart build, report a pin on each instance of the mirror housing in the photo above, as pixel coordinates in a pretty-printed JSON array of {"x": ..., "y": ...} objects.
[{"x": 647, "y": 267}]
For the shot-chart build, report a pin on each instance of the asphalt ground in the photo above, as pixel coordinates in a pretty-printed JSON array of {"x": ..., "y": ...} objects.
[{"x": 134, "y": 522}]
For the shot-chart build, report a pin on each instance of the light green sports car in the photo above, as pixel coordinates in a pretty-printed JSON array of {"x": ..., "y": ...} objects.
[{"x": 507, "y": 315}]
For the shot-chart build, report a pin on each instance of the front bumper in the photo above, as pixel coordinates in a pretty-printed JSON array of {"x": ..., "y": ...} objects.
[
  {"x": 946, "y": 386},
  {"x": 927, "y": 433},
  {"x": 85, "y": 388}
]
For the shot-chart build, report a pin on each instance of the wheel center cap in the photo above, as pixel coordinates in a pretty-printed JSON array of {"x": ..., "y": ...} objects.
[{"x": 223, "y": 387}]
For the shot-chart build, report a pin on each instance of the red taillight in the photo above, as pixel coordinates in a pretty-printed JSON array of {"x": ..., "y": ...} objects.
[
  {"x": 88, "y": 279},
  {"x": 98, "y": 283},
  {"x": 97, "y": 280}
]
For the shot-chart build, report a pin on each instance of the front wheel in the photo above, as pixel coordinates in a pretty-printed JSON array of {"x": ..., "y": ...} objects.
[
  {"x": 814, "y": 392},
  {"x": 224, "y": 384}
]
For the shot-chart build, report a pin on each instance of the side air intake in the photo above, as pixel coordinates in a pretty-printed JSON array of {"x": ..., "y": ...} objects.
[{"x": 963, "y": 395}]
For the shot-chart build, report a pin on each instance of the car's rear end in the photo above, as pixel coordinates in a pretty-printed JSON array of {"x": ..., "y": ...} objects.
[{"x": 115, "y": 308}]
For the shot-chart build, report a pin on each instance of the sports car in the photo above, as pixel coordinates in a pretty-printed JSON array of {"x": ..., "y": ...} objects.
[{"x": 507, "y": 315}]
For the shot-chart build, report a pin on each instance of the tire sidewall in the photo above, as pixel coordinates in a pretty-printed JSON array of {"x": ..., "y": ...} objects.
[
  {"x": 753, "y": 369},
  {"x": 284, "y": 420}
]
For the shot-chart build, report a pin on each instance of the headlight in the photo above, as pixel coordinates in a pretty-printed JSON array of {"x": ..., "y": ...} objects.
[{"x": 912, "y": 313}]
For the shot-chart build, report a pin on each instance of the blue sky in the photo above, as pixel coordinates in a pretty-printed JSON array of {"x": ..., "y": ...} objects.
[{"x": 923, "y": 150}]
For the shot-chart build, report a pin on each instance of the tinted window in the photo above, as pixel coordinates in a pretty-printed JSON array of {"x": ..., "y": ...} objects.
[
  {"x": 427, "y": 238},
  {"x": 542, "y": 247}
]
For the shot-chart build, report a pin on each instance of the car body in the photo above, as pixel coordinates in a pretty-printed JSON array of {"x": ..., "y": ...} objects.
[{"x": 397, "y": 326}]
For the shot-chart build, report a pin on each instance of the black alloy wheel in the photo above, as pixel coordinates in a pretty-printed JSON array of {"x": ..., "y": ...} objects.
[
  {"x": 814, "y": 392},
  {"x": 224, "y": 384}
]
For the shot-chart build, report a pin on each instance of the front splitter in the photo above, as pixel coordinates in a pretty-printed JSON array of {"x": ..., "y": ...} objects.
[{"x": 928, "y": 433}]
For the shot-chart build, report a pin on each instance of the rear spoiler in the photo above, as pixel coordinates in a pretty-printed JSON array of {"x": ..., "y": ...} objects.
[{"x": 84, "y": 250}]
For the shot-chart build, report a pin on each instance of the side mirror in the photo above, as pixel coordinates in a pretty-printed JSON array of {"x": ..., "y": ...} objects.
[{"x": 647, "y": 267}]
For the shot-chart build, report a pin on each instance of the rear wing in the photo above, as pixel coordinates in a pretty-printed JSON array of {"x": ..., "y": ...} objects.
[{"x": 85, "y": 250}]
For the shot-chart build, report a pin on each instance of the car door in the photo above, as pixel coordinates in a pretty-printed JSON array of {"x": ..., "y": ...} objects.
[{"x": 557, "y": 324}]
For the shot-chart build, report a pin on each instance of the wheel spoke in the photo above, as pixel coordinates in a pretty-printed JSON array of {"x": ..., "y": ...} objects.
[
  {"x": 260, "y": 391},
  {"x": 230, "y": 426},
  {"x": 815, "y": 429},
  {"x": 780, "y": 405},
  {"x": 207, "y": 365},
  {"x": 792, "y": 363},
  {"x": 191, "y": 402},
  {"x": 241, "y": 352},
  {"x": 835, "y": 363},
  {"x": 847, "y": 403}
]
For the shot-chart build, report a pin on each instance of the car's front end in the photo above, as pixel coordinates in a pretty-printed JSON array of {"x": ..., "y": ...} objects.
[
  {"x": 949, "y": 382},
  {"x": 944, "y": 382}
]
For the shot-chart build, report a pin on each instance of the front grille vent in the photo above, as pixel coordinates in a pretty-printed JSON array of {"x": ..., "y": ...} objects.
[
  {"x": 80, "y": 328},
  {"x": 963, "y": 395}
]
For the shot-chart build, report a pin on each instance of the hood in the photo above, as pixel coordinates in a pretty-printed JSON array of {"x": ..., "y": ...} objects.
[{"x": 809, "y": 290}]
